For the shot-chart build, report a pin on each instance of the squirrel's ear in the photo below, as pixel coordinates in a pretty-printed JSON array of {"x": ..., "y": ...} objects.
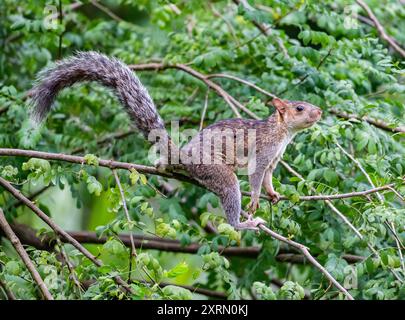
[{"x": 280, "y": 105}]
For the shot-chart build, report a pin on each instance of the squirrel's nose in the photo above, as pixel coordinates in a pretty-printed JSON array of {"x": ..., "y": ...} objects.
[{"x": 317, "y": 112}]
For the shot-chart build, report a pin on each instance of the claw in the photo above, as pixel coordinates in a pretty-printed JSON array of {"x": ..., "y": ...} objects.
[
  {"x": 253, "y": 206},
  {"x": 251, "y": 223},
  {"x": 274, "y": 197}
]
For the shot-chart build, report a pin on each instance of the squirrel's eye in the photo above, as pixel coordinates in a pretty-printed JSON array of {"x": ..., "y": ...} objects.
[{"x": 299, "y": 108}]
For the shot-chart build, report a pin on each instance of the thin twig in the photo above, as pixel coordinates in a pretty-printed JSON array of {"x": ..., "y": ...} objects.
[
  {"x": 377, "y": 123},
  {"x": 332, "y": 196},
  {"x": 132, "y": 253},
  {"x": 71, "y": 268},
  {"x": 212, "y": 85},
  {"x": 330, "y": 205},
  {"x": 73, "y": 6},
  {"x": 217, "y": 14},
  {"x": 28, "y": 236},
  {"x": 266, "y": 29},
  {"x": 152, "y": 170},
  {"x": 250, "y": 84},
  {"x": 9, "y": 294},
  {"x": 381, "y": 29},
  {"x": 391, "y": 225},
  {"x": 305, "y": 252},
  {"x": 305, "y": 77},
  {"x": 106, "y": 10},
  {"x": 61, "y": 34},
  {"x": 24, "y": 256},
  {"x": 204, "y": 110},
  {"x": 58, "y": 230},
  {"x": 131, "y": 236},
  {"x": 358, "y": 164}
]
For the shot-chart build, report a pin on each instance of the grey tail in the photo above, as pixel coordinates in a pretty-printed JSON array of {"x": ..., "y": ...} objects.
[{"x": 110, "y": 72}]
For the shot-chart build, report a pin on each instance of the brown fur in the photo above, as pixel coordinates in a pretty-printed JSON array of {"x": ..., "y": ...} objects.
[{"x": 271, "y": 135}]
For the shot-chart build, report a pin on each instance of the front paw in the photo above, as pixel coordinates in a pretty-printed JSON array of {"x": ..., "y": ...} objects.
[
  {"x": 253, "y": 206},
  {"x": 274, "y": 197},
  {"x": 161, "y": 166}
]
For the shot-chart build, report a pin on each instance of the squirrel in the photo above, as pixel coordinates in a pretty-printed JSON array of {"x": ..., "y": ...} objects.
[{"x": 272, "y": 135}]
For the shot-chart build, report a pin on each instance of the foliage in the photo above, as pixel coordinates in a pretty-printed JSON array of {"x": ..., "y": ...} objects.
[{"x": 330, "y": 60}]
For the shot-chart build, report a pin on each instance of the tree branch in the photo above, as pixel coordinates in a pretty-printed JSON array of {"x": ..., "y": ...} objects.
[
  {"x": 152, "y": 170},
  {"x": 332, "y": 207},
  {"x": 380, "y": 28},
  {"x": 250, "y": 84},
  {"x": 193, "y": 289},
  {"x": 333, "y": 196},
  {"x": 127, "y": 166},
  {"x": 9, "y": 294},
  {"x": 58, "y": 230},
  {"x": 24, "y": 256},
  {"x": 265, "y": 29},
  {"x": 232, "y": 102},
  {"x": 131, "y": 236},
  {"x": 106, "y": 10},
  {"x": 377, "y": 123},
  {"x": 305, "y": 252},
  {"x": 103, "y": 163},
  {"x": 28, "y": 236},
  {"x": 391, "y": 225}
]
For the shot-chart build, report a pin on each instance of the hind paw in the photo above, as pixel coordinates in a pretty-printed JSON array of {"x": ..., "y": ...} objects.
[{"x": 251, "y": 224}]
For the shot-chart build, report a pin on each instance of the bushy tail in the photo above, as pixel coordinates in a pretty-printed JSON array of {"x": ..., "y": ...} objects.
[{"x": 110, "y": 72}]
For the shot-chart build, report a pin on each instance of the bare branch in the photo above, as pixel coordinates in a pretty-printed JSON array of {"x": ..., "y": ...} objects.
[
  {"x": 9, "y": 294},
  {"x": 152, "y": 170},
  {"x": 131, "y": 237},
  {"x": 217, "y": 14},
  {"x": 204, "y": 110},
  {"x": 358, "y": 164},
  {"x": 106, "y": 10},
  {"x": 58, "y": 230},
  {"x": 232, "y": 102},
  {"x": 65, "y": 259},
  {"x": 377, "y": 123},
  {"x": 28, "y": 236},
  {"x": 391, "y": 225},
  {"x": 305, "y": 252},
  {"x": 333, "y": 196},
  {"x": 250, "y": 84},
  {"x": 103, "y": 163},
  {"x": 380, "y": 28},
  {"x": 193, "y": 289},
  {"x": 265, "y": 29},
  {"x": 24, "y": 256},
  {"x": 332, "y": 207}
]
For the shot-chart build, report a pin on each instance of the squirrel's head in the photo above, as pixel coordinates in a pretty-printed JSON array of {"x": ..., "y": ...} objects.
[{"x": 297, "y": 115}]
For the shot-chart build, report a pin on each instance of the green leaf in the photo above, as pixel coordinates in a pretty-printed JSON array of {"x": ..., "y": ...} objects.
[
  {"x": 177, "y": 293},
  {"x": 93, "y": 186},
  {"x": 330, "y": 176},
  {"x": 178, "y": 270},
  {"x": 91, "y": 159},
  {"x": 13, "y": 267}
]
